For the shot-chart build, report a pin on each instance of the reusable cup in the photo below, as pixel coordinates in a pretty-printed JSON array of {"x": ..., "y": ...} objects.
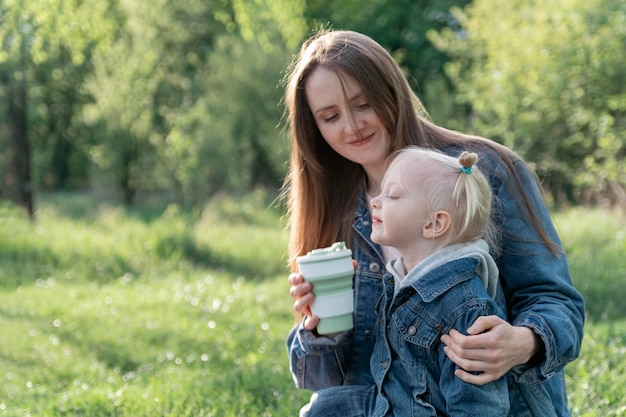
[{"x": 330, "y": 270}]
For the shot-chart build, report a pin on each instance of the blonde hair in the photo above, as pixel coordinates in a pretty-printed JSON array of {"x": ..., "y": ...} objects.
[
  {"x": 321, "y": 187},
  {"x": 457, "y": 186}
]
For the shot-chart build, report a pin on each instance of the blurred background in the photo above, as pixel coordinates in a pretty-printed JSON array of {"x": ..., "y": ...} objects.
[
  {"x": 182, "y": 100},
  {"x": 143, "y": 267}
]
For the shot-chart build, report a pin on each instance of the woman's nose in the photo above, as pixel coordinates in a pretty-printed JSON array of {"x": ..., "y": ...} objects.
[{"x": 352, "y": 125}]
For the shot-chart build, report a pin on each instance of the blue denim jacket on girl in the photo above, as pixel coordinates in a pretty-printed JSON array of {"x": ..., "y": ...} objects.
[
  {"x": 413, "y": 375},
  {"x": 536, "y": 283}
]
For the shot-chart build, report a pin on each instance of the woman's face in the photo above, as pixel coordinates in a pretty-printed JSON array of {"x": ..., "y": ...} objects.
[{"x": 351, "y": 127}]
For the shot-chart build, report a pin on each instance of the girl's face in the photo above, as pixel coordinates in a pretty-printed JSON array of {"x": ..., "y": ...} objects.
[
  {"x": 349, "y": 126},
  {"x": 400, "y": 212}
]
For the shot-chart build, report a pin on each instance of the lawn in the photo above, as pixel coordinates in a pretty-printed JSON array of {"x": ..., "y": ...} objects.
[{"x": 107, "y": 311}]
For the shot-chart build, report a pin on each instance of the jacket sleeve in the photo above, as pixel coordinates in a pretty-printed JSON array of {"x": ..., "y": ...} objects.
[
  {"x": 463, "y": 398},
  {"x": 536, "y": 282},
  {"x": 317, "y": 362}
]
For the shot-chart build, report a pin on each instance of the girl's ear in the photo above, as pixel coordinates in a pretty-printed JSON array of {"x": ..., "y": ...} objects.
[{"x": 438, "y": 225}]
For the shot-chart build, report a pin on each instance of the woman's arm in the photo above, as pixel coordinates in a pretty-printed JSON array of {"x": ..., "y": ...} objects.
[
  {"x": 545, "y": 311},
  {"x": 314, "y": 360},
  {"x": 488, "y": 398},
  {"x": 492, "y": 347}
]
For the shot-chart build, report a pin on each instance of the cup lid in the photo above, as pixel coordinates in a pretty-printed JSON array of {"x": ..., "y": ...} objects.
[{"x": 336, "y": 250}]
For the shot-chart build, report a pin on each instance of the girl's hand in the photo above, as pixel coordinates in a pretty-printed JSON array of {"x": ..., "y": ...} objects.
[
  {"x": 492, "y": 347},
  {"x": 300, "y": 291}
]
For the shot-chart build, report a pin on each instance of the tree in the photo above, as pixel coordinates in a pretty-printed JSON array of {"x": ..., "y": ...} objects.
[
  {"x": 14, "y": 87},
  {"x": 194, "y": 106},
  {"x": 237, "y": 119},
  {"x": 145, "y": 79},
  {"x": 40, "y": 41},
  {"x": 401, "y": 27},
  {"x": 548, "y": 81}
]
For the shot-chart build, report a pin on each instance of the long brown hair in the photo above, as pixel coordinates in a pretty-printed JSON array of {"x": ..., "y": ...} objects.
[{"x": 322, "y": 187}]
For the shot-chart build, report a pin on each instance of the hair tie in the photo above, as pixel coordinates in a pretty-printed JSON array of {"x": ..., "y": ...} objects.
[{"x": 467, "y": 159}]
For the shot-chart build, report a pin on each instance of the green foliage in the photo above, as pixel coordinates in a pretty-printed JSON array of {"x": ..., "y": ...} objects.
[
  {"x": 401, "y": 27},
  {"x": 547, "y": 80},
  {"x": 185, "y": 101},
  {"x": 257, "y": 20},
  {"x": 243, "y": 129},
  {"x": 185, "y": 96},
  {"x": 46, "y": 47},
  {"x": 164, "y": 47}
]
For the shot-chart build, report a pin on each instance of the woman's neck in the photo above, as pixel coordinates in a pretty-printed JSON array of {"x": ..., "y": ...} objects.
[{"x": 374, "y": 181}]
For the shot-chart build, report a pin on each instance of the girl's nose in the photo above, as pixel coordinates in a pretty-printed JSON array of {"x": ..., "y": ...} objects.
[{"x": 375, "y": 203}]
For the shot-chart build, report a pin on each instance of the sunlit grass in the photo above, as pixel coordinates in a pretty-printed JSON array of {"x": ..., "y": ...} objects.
[
  {"x": 597, "y": 380},
  {"x": 115, "y": 314},
  {"x": 110, "y": 312},
  {"x": 146, "y": 348},
  {"x": 595, "y": 243}
]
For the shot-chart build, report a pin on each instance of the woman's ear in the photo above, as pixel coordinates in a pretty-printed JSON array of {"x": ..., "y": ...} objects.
[{"x": 438, "y": 225}]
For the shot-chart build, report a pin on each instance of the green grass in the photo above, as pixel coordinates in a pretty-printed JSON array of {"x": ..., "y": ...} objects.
[
  {"x": 595, "y": 242},
  {"x": 106, "y": 311}
]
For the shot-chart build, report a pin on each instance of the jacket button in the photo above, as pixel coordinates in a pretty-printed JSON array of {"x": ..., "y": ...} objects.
[
  {"x": 374, "y": 267},
  {"x": 368, "y": 334},
  {"x": 412, "y": 330},
  {"x": 383, "y": 365}
]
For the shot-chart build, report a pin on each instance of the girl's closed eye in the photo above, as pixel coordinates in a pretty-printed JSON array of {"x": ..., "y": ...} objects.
[
  {"x": 388, "y": 194},
  {"x": 393, "y": 192}
]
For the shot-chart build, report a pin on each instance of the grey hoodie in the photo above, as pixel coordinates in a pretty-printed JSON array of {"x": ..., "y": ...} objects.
[{"x": 478, "y": 248}]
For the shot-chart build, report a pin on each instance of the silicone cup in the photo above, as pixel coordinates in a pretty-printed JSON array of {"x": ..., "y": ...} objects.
[{"x": 330, "y": 270}]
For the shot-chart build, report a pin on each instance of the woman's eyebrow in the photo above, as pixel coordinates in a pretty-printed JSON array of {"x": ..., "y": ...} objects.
[{"x": 356, "y": 96}]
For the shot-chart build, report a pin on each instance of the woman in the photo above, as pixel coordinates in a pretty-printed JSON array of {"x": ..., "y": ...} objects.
[{"x": 350, "y": 107}]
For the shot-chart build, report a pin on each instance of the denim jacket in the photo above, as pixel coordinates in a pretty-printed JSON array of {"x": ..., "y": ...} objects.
[
  {"x": 413, "y": 374},
  {"x": 535, "y": 291}
]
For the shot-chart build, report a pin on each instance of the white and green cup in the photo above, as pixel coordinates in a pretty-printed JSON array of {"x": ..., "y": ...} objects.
[{"x": 330, "y": 270}]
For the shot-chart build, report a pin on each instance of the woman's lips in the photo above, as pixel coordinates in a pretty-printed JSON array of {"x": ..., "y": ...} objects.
[{"x": 362, "y": 141}]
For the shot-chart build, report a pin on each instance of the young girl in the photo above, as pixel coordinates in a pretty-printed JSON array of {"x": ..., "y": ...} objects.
[
  {"x": 434, "y": 209},
  {"x": 349, "y": 107}
]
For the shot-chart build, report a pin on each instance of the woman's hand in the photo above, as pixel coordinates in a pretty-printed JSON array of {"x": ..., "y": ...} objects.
[
  {"x": 301, "y": 292},
  {"x": 491, "y": 347}
]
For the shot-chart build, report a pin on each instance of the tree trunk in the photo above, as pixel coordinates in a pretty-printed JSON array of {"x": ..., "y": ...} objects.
[
  {"x": 19, "y": 154},
  {"x": 18, "y": 118}
]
